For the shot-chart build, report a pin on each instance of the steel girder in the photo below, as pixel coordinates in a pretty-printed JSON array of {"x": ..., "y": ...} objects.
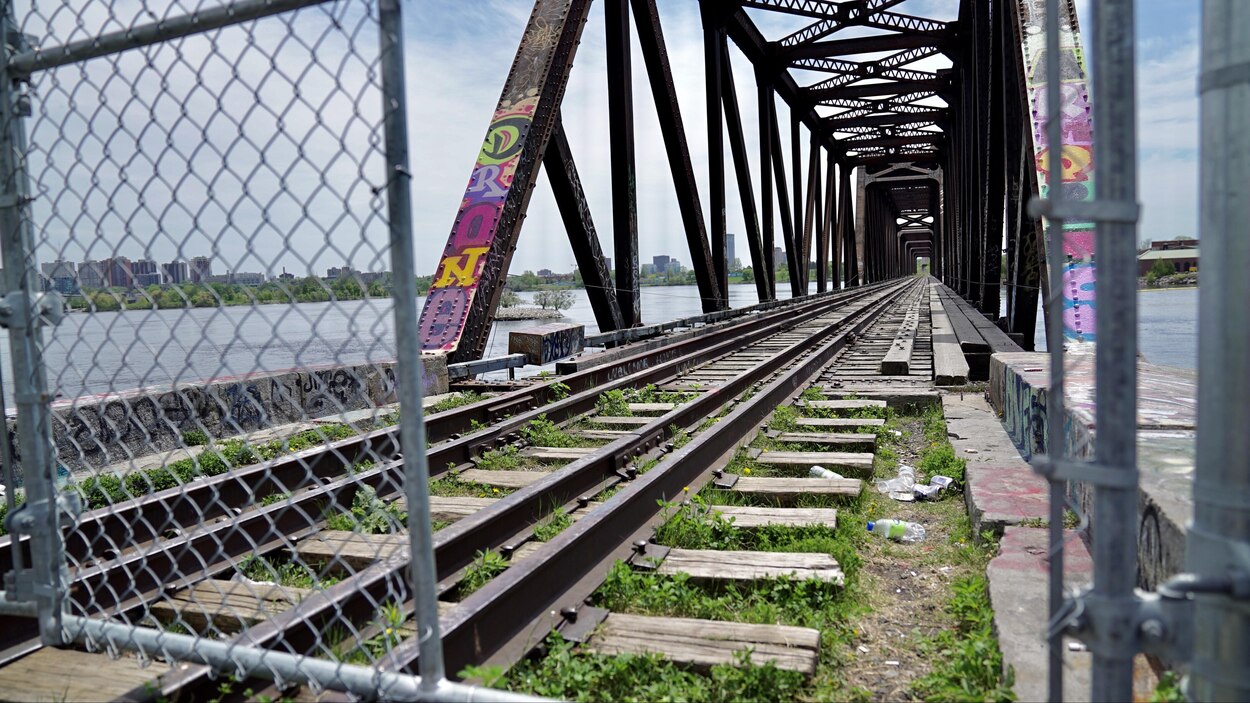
[{"x": 879, "y": 111}]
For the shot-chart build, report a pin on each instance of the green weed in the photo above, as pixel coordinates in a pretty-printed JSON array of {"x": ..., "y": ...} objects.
[
  {"x": 486, "y": 566},
  {"x": 566, "y": 674},
  {"x": 502, "y": 459},
  {"x": 940, "y": 460},
  {"x": 542, "y": 432},
  {"x": 552, "y": 525},
  {"x": 369, "y": 515},
  {"x": 559, "y": 390},
  {"x": 785, "y": 419},
  {"x": 454, "y": 401},
  {"x": 969, "y": 662},
  {"x": 613, "y": 404}
]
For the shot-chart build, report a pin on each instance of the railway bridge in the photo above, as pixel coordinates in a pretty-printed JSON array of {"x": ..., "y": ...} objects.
[{"x": 673, "y": 510}]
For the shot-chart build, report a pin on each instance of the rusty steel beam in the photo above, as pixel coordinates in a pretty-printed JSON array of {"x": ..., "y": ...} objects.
[
  {"x": 837, "y": 122},
  {"x": 465, "y": 292},
  {"x": 863, "y": 45},
  {"x": 660, "y": 74},
  {"x": 621, "y": 147},
  {"x": 713, "y": 38},
  {"x": 575, "y": 211},
  {"x": 742, "y": 174},
  {"x": 896, "y": 89},
  {"x": 765, "y": 115}
]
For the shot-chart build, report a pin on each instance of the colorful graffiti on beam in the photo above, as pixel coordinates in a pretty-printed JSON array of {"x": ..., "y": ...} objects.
[
  {"x": 457, "y": 276},
  {"x": 1077, "y": 162}
]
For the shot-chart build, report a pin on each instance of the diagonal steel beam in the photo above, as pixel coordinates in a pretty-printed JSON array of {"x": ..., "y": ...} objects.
[{"x": 465, "y": 292}]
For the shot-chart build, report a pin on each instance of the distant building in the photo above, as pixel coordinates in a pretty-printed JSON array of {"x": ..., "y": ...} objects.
[
  {"x": 118, "y": 272},
  {"x": 647, "y": 269},
  {"x": 146, "y": 272},
  {"x": 779, "y": 257},
  {"x": 607, "y": 261},
  {"x": 1181, "y": 255},
  {"x": 730, "y": 253},
  {"x": 91, "y": 274},
  {"x": 59, "y": 275},
  {"x": 243, "y": 278},
  {"x": 546, "y": 273},
  {"x": 659, "y": 264},
  {"x": 336, "y": 272},
  {"x": 175, "y": 272},
  {"x": 201, "y": 268}
]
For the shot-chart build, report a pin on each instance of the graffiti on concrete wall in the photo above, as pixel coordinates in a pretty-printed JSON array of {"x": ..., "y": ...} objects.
[{"x": 1076, "y": 161}]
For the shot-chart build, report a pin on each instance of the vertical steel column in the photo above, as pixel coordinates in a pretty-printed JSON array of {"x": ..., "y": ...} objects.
[
  {"x": 765, "y": 111},
  {"x": 999, "y": 52},
  {"x": 713, "y": 38},
  {"x": 809, "y": 217},
  {"x": 859, "y": 243},
  {"x": 22, "y": 312},
  {"x": 796, "y": 181},
  {"x": 827, "y": 237},
  {"x": 566, "y": 186},
  {"x": 846, "y": 221},
  {"x": 668, "y": 111},
  {"x": 822, "y": 225},
  {"x": 787, "y": 222},
  {"x": 621, "y": 145},
  {"x": 1056, "y": 447},
  {"x": 742, "y": 173},
  {"x": 1218, "y": 538},
  {"x": 422, "y": 570}
]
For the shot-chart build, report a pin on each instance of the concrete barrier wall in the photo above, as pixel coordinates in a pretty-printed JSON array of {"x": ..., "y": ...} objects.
[
  {"x": 96, "y": 431},
  {"x": 1166, "y": 434}
]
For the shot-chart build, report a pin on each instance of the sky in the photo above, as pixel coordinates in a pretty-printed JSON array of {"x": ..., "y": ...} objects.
[
  {"x": 464, "y": 50},
  {"x": 205, "y": 147}
]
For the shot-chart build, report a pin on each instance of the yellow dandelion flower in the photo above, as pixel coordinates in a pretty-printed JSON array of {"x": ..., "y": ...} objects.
[
  {"x": 686, "y": 489},
  {"x": 747, "y": 471},
  {"x": 494, "y": 490}
]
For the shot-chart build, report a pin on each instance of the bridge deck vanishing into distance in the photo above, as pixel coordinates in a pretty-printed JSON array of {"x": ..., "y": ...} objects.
[{"x": 926, "y": 138}]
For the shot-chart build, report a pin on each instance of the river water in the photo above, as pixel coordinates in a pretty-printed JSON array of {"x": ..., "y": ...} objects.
[{"x": 94, "y": 353}]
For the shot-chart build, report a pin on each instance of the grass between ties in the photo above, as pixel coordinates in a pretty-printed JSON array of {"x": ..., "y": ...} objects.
[{"x": 920, "y": 610}]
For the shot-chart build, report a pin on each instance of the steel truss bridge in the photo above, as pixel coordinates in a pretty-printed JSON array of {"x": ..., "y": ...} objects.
[{"x": 931, "y": 135}]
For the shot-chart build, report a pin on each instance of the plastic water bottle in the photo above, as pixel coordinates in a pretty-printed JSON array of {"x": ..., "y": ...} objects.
[
  {"x": 898, "y": 530},
  {"x": 822, "y": 472}
]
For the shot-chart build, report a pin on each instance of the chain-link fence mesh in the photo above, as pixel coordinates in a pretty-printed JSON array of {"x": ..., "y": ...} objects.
[{"x": 212, "y": 210}]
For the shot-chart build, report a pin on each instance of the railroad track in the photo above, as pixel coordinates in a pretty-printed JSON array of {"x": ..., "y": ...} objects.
[{"x": 184, "y": 538}]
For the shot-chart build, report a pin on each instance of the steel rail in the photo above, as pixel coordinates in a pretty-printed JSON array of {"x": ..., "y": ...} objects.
[
  {"x": 150, "y": 516},
  {"x": 523, "y": 595},
  {"x": 296, "y": 629},
  {"x": 123, "y": 584}
]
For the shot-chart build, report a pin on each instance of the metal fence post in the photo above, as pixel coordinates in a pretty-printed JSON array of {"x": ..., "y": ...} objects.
[
  {"x": 1217, "y": 543},
  {"x": 1115, "y": 507},
  {"x": 22, "y": 311},
  {"x": 412, "y": 422},
  {"x": 1055, "y": 446}
]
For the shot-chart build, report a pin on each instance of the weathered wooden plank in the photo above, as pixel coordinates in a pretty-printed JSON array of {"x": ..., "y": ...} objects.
[
  {"x": 749, "y": 518},
  {"x": 950, "y": 368},
  {"x": 651, "y": 408},
  {"x": 557, "y": 454},
  {"x": 50, "y": 674},
  {"x": 452, "y": 508},
  {"x": 860, "y": 461},
  {"x": 706, "y": 643},
  {"x": 718, "y": 565},
  {"x": 621, "y": 420},
  {"x": 897, "y": 358},
  {"x": 841, "y": 439},
  {"x": 609, "y": 435},
  {"x": 789, "y": 489},
  {"x": 839, "y": 422},
  {"x": 341, "y": 549},
  {"x": 547, "y": 343},
  {"x": 226, "y": 606},
  {"x": 502, "y": 479},
  {"x": 842, "y": 404}
]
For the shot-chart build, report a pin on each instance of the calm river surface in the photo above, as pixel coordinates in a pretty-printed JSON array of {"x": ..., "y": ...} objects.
[{"x": 95, "y": 353}]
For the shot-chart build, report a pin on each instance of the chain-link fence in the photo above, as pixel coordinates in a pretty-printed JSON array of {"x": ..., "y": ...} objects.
[{"x": 207, "y": 242}]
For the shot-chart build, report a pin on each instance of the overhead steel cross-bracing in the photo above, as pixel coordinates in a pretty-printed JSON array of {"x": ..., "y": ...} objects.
[{"x": 936, "y": 114}]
